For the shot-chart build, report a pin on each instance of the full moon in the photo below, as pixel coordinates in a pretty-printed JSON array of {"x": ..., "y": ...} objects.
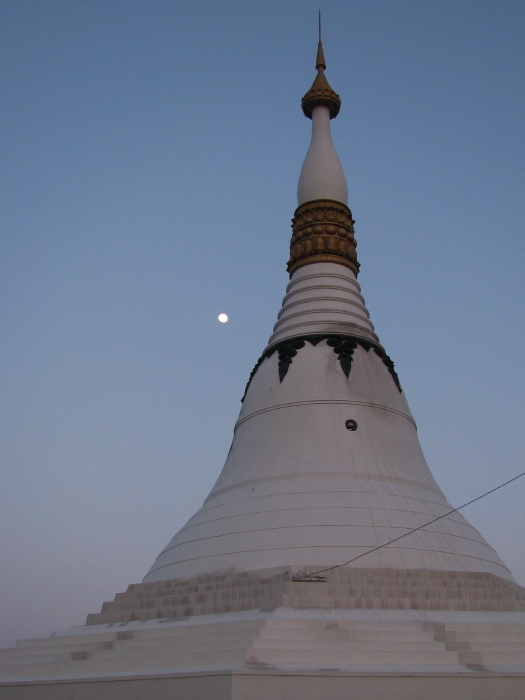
[{"x": 222, "y": 318}]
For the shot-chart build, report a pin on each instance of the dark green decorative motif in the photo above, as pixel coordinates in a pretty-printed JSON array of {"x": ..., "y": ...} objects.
[
  {"x": 343, "y": 345},
  {"x": 344, "y": 348},
  {"x": 287, "y": 351}
]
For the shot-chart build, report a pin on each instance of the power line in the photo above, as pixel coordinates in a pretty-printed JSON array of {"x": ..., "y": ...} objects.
[{"x": 410, "y": 532}]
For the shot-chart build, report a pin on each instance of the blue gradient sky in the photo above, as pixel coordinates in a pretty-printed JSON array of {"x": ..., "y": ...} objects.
[{"x": 150, "y": 156}]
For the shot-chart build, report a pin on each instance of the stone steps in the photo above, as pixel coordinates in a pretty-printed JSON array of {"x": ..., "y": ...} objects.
[
  {"x": 496, "y": 646},
  {"x": 384, "y": 589},
  {"x": 337, "y": 657},
  {"x": 139, "y": 647},
  {"x": 138, "y": 663},
  {"x": 103, "y": 640},
  {"x": 361, "y": 636},
  {"x": 492, "y": 659},
  {"x": 373, "y": 643},
  {"x": 305, "y": 622},
  {"x": 213, "y": 645},
  {"x": 270, "y": 640},
  {"x": 483, "y": 645},
  {"x": 399, "y": 603},
  {"x": 350, "y": 645},
  {"x": 495, "y": 631},
  {"x": 490, "y": 646}
]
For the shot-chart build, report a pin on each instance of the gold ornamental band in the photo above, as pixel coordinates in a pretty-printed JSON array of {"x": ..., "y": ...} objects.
[{"x": 323, "y": 231}]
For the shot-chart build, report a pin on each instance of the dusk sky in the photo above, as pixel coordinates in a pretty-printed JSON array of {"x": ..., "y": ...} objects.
[{"x": 150, "y": 158}]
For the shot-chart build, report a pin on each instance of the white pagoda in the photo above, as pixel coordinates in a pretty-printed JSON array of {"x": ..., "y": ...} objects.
[{"x": 326, "y": 561}]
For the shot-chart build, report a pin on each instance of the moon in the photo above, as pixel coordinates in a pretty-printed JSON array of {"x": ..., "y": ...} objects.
[{"x": 222, "y": 318}]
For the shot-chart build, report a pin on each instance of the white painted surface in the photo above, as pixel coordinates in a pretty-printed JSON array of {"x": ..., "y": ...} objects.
[
  {"x": 322, "y": 175},
  {"x": 299, "y": 489},
  {"x": 323, "y": 298},
  {"x": 366, "y": 641}
]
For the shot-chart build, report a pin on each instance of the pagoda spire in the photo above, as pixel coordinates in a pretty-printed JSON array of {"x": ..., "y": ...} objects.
[
  {"x": 322, "y": 224},
  {"x": 325, "y": 482},
  {"x": 325, "y": 463}
]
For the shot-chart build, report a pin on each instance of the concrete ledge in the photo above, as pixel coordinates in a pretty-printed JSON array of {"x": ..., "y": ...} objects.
[{"x": 240, "y": 685}]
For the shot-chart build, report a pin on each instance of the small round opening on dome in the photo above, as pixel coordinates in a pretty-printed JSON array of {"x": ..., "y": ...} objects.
[{"x": 351, "y": 424}]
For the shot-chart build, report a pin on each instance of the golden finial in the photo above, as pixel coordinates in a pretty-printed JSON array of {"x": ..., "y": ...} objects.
[
  {"x": 321, "y": 93},
  {"x": 320, "y": 62}
]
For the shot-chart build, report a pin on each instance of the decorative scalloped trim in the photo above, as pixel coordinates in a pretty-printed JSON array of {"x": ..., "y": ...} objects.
[{"x": 343, "y": 345}]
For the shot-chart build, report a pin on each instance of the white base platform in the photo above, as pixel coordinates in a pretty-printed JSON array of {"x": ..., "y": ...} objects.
[
  {"x": 285, "y": 652},
  {"x": 241, "y": 685}
]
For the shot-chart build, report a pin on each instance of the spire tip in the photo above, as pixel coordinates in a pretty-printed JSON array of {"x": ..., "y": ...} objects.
[
  {"x": 320, "y": 92},
  {"x": 320, "y": 62}
]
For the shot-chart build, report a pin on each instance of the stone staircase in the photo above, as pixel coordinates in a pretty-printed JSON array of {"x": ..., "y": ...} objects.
[
  {"x": 349, "y": 645},
  {"x": 215, "y": 646},
  {"x": 202, "y": 595},
  {"x": 282, "y": 639},
  {"x": 354, "y": 588},
  {"x": 483, "y": 646},
  {"x": 355, "y": 619}
]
